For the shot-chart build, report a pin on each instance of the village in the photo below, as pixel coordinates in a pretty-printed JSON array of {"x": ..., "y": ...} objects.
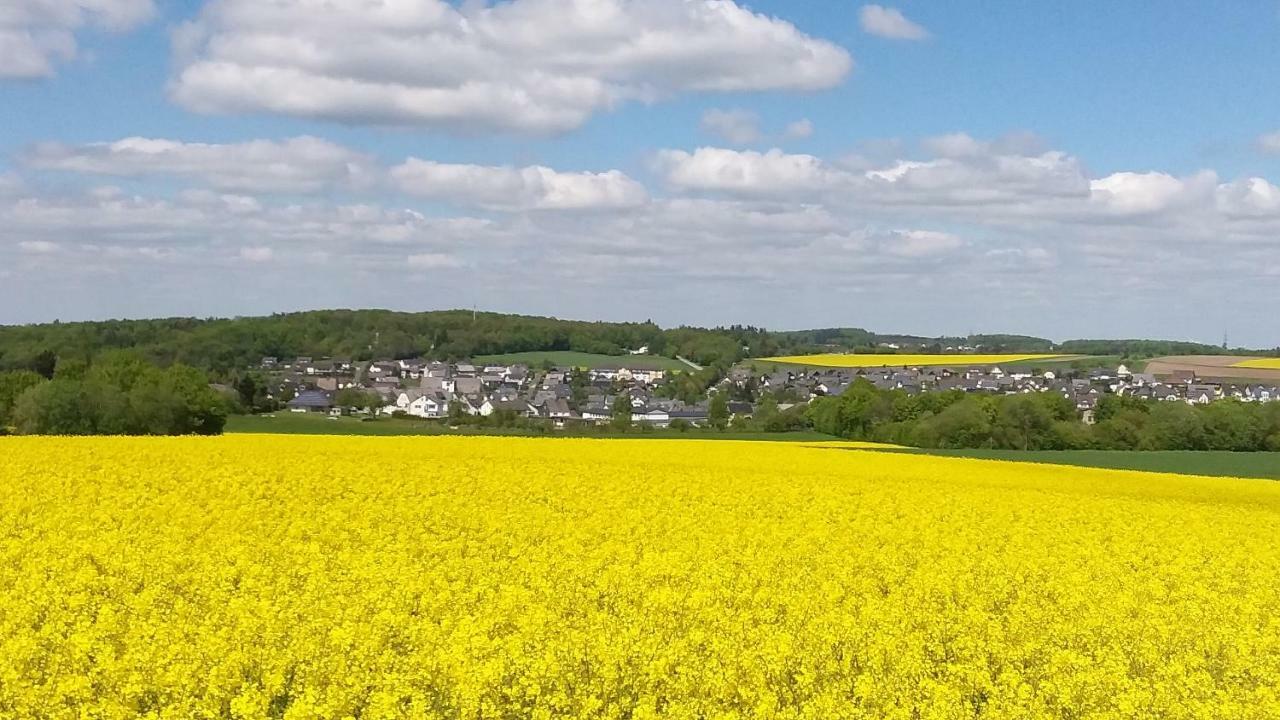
[{"x": 563, "y": 395}]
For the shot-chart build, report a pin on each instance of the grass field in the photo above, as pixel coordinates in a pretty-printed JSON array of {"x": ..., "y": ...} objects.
[
  {"x": 311, "y": 424},
  {"x": 272, "y": 576},
  {"x": 842, "y": 360},
  {"x": 1219, "y": 464},
  {"x": 583, "y": 360}
]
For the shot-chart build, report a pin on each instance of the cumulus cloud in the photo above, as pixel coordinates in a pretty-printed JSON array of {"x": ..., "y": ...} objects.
[
  {"x": 990, "y": 223},
  {"x": 738, "y": 127},
  {"x": 36, "y": 35},
  {"x": 509, "y": 188},
  {"x": 297, "y": 165},
  {"x": 536, "y": 66},
  {"x": 1130, "y": 193},
  {"x": 887, "y": 22},
  {"x": 1253, "y": 197},
  {"x": 773, "y": 173}
]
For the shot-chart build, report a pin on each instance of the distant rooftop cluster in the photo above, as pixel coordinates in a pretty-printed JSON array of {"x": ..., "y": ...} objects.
[{"x": 435, "y": 389}]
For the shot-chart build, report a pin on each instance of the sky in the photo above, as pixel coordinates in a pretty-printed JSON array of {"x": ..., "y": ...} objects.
[{"x": 1089, "y": 169}]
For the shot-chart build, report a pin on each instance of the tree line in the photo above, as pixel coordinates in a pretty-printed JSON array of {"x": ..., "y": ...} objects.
[
  {"x": 118, "y": 393},
  {"x": 1038, "y": 421},
  {"x": 224, "y": 345}
]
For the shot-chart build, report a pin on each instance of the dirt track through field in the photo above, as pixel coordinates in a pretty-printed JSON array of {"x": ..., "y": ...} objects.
[{"x": 1211, "y": 367}]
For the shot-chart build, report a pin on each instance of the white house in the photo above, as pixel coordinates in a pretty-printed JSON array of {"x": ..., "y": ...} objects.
[
  {"x": 420, "y": 404},
  {"x": 653, "y": 416}
]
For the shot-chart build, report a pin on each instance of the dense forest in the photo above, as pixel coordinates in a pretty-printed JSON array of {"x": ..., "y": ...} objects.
[
  {"x": 223, "y": 345},
  {"x": 119, "y": 393}
]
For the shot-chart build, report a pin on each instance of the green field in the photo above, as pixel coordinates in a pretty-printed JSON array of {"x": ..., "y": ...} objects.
[
  {"x": 286, "y": 423},
  {"x": 1221, "y": 464},
  {"x": 567, "y": 358}
]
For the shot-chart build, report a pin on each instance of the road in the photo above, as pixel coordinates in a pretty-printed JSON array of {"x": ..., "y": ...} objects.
[{"x": 689, "y": 362}]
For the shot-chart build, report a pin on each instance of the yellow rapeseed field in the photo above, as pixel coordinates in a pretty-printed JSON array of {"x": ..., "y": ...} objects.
[
  {"x": 844, "y": 360},
  {"x": 1260, "y": 364},
  {"x": 327, "y": 577}
]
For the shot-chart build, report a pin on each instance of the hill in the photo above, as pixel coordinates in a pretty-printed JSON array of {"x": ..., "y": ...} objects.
[{"x": 222, "y": 344}]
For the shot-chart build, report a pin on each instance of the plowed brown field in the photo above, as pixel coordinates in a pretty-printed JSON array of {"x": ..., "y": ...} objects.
[{"x": 1211, "y": 367}]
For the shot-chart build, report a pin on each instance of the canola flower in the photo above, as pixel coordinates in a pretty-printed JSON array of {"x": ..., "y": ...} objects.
[
  {"x": 326, "y": 577},
  {"x": 1259, "y": 364},
  {"x": 846, "y": 360}
]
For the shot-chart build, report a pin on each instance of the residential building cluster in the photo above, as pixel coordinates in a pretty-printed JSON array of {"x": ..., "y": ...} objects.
[{"x": 432, "y": 389}]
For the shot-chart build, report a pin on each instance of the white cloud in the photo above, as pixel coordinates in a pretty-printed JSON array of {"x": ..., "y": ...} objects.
[
  {"x": 769, "y": 174},
  {"x": 433, "y": 261},
  {"x": 508, "y": 188},
  {"x": 988, "y": 223},
  {"x": 981, "y": 179},
  {"x": 1270, "y": 142},
  {"x": 1129, "y": 193},
  {"x": 738, "y": 127},
  {"x": 539, "y": 66},
  {"x": 887, "y": 22},
  {"x": 38, "y": 247},
  {"x": 256, "y": 254},
  {"x": 920, "y": 243},
  {"x": 799, "y": 130},
  {"x": 35, "y": 35},
  {"x": 1251, "y": 197},
  {"x": 297, "y": 165}
]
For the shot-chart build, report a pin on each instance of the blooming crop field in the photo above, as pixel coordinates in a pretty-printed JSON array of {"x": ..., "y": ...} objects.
[
  {"x": 334, "y": 577},
  {"x": 845, "y": 360},
  {"x": 1259, "y": 364}
]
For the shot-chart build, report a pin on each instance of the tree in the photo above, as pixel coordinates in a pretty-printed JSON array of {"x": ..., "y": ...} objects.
[
  {"x": 357, "y": 399},
  {"x": 718, "y": 413},
  {"x": 966, "y": 424},
  {"x": 1173, "y": 426},
  {"x": 44, "y": 363},
  {"x": 12, "y": 385},
  {"x": 1118, "y": 433},
  {"x": 155, "y": 409},
  {"x": 1022, "y": 422},
  {"x": 205, "y": 412},
  {"x": 71, "y": 369},
  {"x": 250, "y": 389},
  {"x": 1070, "y": 435},
  {"x": 120, "y": 369},
  {"x": 71, "y": 407},
  {"x": 1230, "y": 425},
  {"x": 766, "y": 416},
  {"x": 621, "y": 412},
  {"x": 1111, "y": 405},
  {"x": 823, "y": 414}
]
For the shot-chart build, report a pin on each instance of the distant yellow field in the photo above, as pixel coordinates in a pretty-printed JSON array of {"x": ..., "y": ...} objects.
[
  {"x": 840, "y": 360},
  {"x": 335, "y": 577},
  {"x": 1260, "y": 364}
]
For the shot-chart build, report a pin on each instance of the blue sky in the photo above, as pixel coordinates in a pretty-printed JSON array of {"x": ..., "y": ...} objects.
[{"x": 1089, "y": 169}]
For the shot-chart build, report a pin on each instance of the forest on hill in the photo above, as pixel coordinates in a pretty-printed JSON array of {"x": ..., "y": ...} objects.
[{"x": 224, "y": 344}]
